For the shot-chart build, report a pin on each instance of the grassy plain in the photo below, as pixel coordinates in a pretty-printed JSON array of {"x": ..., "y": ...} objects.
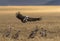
[{"x": 50, "y": 21}]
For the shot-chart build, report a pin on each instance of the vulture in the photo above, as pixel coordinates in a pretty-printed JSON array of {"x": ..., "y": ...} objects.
[{"x": 25, "y": 19}]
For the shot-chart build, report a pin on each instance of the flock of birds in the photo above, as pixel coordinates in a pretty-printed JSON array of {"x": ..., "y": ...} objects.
[{"x": 7, "y": 33}]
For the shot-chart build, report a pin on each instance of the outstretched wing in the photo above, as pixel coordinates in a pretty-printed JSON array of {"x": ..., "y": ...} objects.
[
  {"x": 34, "y": 19},
  {"x": 20, "y": 16}
]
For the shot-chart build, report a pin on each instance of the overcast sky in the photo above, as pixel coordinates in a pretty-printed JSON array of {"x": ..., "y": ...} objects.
[{"x": 29, "y": 2}]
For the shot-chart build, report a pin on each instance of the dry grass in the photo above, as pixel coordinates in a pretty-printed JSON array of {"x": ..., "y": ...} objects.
[{"x": 50, "y": 22}]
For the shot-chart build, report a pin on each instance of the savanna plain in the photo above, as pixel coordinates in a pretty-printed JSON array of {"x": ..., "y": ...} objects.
[{"x": 50, "y": 21}]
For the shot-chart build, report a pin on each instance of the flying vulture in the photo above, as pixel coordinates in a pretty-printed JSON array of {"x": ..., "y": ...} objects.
[{"x": 25, "y": 19}]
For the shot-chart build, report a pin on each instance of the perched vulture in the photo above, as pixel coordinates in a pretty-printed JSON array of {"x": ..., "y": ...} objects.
[{"x": 25, "y": 19}]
